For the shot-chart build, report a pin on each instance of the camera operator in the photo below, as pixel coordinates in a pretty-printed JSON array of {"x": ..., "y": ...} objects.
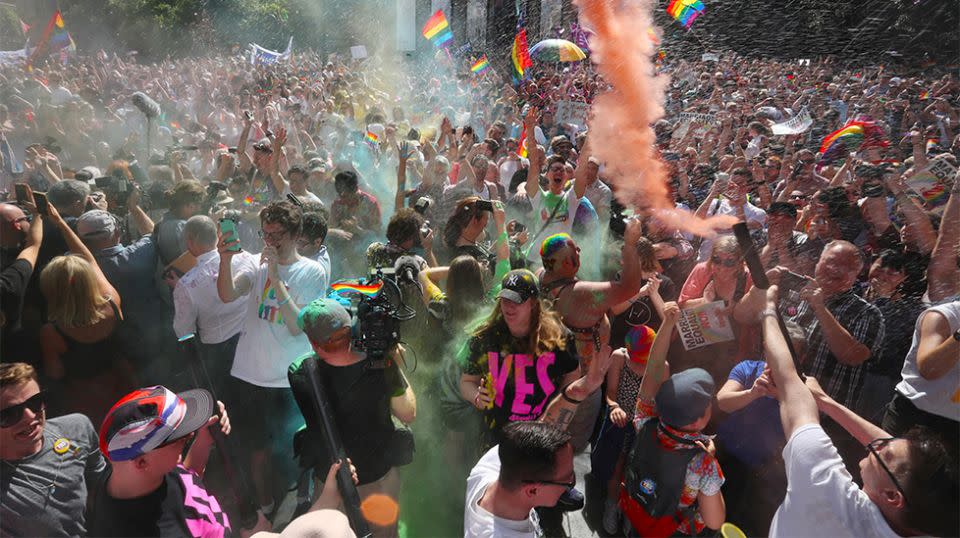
[
  {"x": 362, "y": 396},
  {"x": 406, "y": 230}
]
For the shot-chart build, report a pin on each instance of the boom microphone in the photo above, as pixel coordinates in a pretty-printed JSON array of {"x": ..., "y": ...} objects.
[
  {"x": 148, "y": 106},
  {"x": 407, "y": 267}
]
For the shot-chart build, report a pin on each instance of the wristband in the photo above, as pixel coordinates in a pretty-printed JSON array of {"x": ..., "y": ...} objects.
[
  {"x": 563, "y": 393},
  {"x": 503, "y": 236},
  {"x": 768, "y": 312},
  {"x": 283, "y": 302}
]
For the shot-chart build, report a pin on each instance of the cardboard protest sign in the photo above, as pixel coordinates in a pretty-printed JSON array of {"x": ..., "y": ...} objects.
[
  {"x": 358, "y": 52},
  {"x": 795, "y": 125},
  {"x": 934, "y": 182},
  {"x": 573, "y": 113},
  {"x": 704, "y": 325},
  {"x": 710, "y": 57}
]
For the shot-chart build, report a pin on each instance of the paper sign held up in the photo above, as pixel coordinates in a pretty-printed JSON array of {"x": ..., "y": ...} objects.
[
  {"x": 704, "y": 325},
  {"x": 358, "y": 52}
]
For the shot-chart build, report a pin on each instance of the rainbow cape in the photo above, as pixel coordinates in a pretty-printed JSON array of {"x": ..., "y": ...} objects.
[
  {"x": 685, "y": 11},
  {"x": 854, "y": 136},
  {"x": 437, "y": 29},
  {"x": 520, "y": 54},
  {"x": 480, "y": 65}
]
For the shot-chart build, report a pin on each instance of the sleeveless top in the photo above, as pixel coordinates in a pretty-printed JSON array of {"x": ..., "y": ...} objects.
[{"x": 84, "y": 360}]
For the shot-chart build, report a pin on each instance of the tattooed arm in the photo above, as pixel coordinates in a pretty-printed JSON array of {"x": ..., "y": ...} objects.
[{"x": 561, "y": 410}]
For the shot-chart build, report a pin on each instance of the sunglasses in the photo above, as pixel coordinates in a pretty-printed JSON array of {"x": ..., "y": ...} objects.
[
  {"x": 566, "y": 485},
  {"x": 798, "y": 196},
  {"x": 726, "y": 262},
  {"x": 874, "y": 448},
  {"x": 11, "y": 416}
]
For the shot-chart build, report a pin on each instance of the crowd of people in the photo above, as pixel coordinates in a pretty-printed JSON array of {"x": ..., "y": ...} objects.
[{"x": 174, "y": 279}]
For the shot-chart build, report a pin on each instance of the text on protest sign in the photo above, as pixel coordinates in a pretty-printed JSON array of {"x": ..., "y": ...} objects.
[
  {"x": 934, "y": 182},
  {"x": 704, "y": 325},
  {"x": 573, "y": 113},
  {"x": 701, "y": 123},
  {"x": 358, "y": 52}
]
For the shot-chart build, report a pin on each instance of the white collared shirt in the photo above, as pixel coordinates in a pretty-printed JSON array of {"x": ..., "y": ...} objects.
[{"x": 198, "y": 308}]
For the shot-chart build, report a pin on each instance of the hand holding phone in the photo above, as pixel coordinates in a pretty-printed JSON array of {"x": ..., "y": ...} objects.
[
  {"x": 43, "y": 207},
  {"x": 230, "y": 226}
]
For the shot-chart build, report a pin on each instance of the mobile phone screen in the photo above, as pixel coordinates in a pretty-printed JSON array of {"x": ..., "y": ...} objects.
[
  {"x": 228, "y": 225},
  {"x": 41, "y": 200}
]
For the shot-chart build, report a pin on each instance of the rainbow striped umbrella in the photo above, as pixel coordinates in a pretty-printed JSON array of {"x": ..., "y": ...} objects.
[{"x": 557, "y": 50}]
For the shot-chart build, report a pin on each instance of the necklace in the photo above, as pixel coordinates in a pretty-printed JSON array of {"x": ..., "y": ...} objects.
[{"x": 46, "y": 490}]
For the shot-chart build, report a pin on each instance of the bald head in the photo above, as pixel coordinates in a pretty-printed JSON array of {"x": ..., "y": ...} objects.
[
  {"x": 13, "y": 226},
  {"x": 840, "y": 264}
]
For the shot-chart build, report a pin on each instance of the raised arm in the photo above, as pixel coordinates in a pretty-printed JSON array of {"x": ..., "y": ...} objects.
[
  {"x": 657, "y": 366},
  {"x": 276, "y": 176},
  {"x": 943, "y": 274},
  {"x": 937, "y": 351},
  {"x": 797, "y": 406},
  {"x": 914, "y": 215},
  {"x": 580, "y": 175},
  {"x": 533, "y": 154},
  {"x": 77, "y": 247}
]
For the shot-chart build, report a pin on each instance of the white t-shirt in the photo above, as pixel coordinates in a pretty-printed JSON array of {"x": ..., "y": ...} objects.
[
  {"x": 543, "y": 203},
  {"x": 822, "y": 498},
  {"x": 938, "y": 396},
  {"x": 477, "y": 522},
  {"x": 508, "y": 168},
  {"x": 266, "y": 347}
]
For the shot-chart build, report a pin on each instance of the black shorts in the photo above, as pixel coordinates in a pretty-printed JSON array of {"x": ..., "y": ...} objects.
[{"x": 263, "y": 417}]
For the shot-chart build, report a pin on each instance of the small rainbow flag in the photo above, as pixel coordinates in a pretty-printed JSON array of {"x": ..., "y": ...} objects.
[
  {"x": 372, "y": 138},
  {"x": 480, "y": 65},
  {"x": 369, "y": 290},
  {"x": 437, "y": 30},
  {"x": 685, "y": 11},
  {"x": 520, "y": 54},
  {"x": 248, "y": 200},
  {"x": 925, "y": 95}
]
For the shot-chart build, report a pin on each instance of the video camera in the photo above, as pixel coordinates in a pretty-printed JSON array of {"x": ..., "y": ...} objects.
[
  {"x": 377, "y": 307},
  {"x": 157, "y": 160}
]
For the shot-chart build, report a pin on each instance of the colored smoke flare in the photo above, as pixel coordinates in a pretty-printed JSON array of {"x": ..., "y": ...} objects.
[{"x": 622, "y": 118}]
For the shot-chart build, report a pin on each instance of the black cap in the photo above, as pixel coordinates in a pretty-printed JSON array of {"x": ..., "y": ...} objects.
[
  {"x": 685, "y": 397},
  {"x": 782, "y": 208},
  {"x": 519, "y": 285}
]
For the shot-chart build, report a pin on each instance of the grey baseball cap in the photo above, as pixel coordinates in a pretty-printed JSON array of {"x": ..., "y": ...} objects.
[
  {"x": 322, "y": 318},
  {"x": 96, "y": 223},
  {"x": 685, "y": 397}
]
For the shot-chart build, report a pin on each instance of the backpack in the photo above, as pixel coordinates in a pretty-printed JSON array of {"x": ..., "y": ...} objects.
[{"x": 654, "y": 477}]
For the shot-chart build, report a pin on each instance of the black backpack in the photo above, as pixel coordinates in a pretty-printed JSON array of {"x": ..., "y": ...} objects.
[{"x": 654, "y": 476}]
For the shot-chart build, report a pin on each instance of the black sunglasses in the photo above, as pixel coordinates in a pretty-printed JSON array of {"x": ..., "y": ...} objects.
[
  {"x": 730, "y": 262},
  {"x": 11, "y": 416},
  {"x": 568, "y": 485},
  {"x": 873, "y": 447}
]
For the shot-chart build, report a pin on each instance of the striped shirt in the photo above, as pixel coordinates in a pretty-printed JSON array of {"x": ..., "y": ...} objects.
[{"x": 863, "y": 321}]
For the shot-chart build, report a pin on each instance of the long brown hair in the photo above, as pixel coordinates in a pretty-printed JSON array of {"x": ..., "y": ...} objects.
[{"x": 546, "y": 330}]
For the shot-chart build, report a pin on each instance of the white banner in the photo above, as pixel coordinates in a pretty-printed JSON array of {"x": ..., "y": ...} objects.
[
  {"x": 710, "y": 57},
  {"x": 14, "y": 56},
  {"x": 701, "y": 123},
  {"x": 260, "y": 55},
  {"x": 704, "y": 325},
  {"x": 795, "y": 125}
]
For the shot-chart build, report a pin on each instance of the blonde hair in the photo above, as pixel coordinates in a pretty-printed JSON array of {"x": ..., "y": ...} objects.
[
  {"x": 726, "y": 244},
  {"x": 13, "y": 374},
  {"x": 69, "y": 284},
  {"x": 547, "y": 332}
]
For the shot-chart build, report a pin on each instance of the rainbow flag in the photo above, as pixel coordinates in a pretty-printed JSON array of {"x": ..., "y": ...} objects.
[
  {"x": 369, "y": 290},
  {"x": 480, "y": 65},
  {"x": 685, "y": 11},
  {"x": 854, "y": 136},
  {"x": 520, "y": 54},
  {"x": 372, "y": 138},
  {"x": 437, "y": 29},
  {"x": 925, "y": 95},
  {"x": 55, "y": 37}
]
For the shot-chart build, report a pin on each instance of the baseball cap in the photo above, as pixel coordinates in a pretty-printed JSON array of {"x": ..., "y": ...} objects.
[
  {"x": 149, "y": 417},
  {"x": 87, "y": 173},
  {"x": 96, "y": 223},
  {"x": 639, "y": 341},
  {"x": 322, "y": 318},
  {"x": 519, "y": 285},
  {"x": 684, "y": 397}
]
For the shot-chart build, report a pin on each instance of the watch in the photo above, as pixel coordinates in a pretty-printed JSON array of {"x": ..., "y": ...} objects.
[{"x": 956, "y": 335}]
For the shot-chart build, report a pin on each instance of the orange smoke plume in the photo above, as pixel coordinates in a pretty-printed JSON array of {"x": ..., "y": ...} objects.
[{"x": 621, "y": 126}]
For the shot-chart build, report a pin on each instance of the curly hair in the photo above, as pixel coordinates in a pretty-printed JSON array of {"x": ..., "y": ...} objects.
[
  {"x": 188, "y": 191},
  {"x": 404, "y": 224},
  {"x": 285, "y": 214}
]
